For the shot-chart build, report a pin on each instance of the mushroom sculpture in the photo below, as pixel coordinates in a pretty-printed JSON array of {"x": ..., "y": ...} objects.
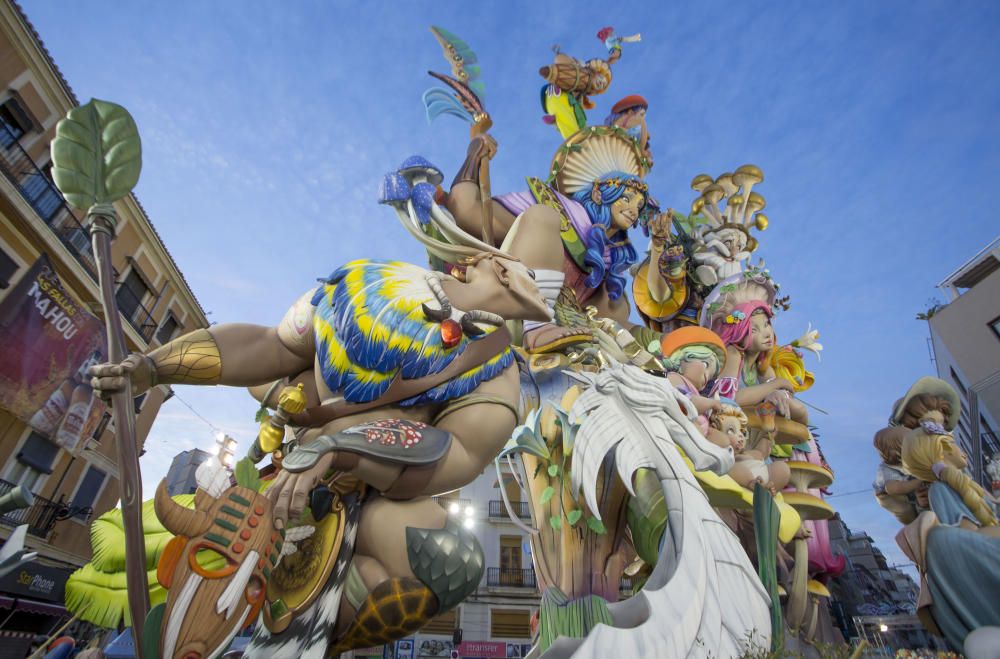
[{"x": 804, "y": 476}]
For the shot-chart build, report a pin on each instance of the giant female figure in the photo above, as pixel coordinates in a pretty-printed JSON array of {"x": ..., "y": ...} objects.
[{"x": 598, "y": 193}]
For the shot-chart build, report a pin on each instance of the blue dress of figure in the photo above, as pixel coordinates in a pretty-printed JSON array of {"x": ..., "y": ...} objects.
[{"x": 963, "y": 570}]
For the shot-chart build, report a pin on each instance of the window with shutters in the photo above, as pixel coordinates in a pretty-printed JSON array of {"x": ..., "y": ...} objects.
[
  {"x": 32, "y": 463},
  {"x": 14, "y": 121},
  {"x": 168, "y": 329},
  {"x": 131, "y": 293},
  {"x": 510, "y": 623},
  {"x": 87, "y": 492},
  {"x": 445, "y": 623},
  {"x": 510, "y": 552}
]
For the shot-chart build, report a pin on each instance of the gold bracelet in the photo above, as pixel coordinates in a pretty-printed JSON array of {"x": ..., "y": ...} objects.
[{"x": 191, "y": 359}]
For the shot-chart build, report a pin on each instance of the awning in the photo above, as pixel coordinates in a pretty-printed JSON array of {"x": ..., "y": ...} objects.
[{"x": 32, "y": 606}]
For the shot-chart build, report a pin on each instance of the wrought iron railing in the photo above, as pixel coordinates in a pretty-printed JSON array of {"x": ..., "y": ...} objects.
[
  {"x": 499, "y": 511},
  {"x": 40, "y": 516},
  {"x": 43, "y": 196},
  {"x": 140, "y": 318},
  {"x": 511, "y": 577}
]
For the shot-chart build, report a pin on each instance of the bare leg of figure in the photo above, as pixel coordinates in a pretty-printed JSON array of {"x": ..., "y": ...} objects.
[
  {"x": 403, "y": 568},
  {"x": 465, "y": 204}
]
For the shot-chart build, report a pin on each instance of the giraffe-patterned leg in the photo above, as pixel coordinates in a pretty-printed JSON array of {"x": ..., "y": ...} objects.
[{"x": 395, "y": 609}]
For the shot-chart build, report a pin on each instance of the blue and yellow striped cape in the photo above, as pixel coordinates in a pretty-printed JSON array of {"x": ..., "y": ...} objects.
[{"x": 369, "y": 326}]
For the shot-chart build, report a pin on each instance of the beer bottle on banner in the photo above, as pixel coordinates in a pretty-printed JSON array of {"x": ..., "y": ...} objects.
[
  {"x": 49, "y": 416},
  {"x": 71, "y": 428}
]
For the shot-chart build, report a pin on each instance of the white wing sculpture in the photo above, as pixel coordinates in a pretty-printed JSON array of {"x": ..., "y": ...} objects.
[{"x": 703, "y": 596}]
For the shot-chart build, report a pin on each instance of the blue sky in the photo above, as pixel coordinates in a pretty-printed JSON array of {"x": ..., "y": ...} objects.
[{"x": 267, "y": 126}]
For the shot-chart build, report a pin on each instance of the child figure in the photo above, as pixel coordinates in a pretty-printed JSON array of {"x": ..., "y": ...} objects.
[
  {"x": 931, "y": 403},
  {"x": 895, "y": 490},
  {"x": 750, "y": 468},
  {"x": 955, "y": 498},
  {"x": 693, "y": 357}
]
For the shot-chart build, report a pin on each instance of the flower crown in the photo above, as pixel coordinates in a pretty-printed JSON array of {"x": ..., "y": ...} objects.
[
  {"x": 735, "y": 318},
  {"x": 635, "y": 184}
]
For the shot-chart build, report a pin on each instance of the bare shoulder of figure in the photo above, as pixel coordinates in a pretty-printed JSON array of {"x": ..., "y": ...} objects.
[{"x": 296, "y": 329}]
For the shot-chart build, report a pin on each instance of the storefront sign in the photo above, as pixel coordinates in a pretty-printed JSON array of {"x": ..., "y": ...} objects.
[
  {"x": 49, "y": 340},
  {"x": 36, "y": 581},
  {"x": 484, "y": 649}
]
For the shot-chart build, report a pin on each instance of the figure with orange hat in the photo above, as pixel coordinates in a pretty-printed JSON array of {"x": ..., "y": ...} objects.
[
  {"x": 629, "y": 114},
  {"x": 693, "y": 357}
]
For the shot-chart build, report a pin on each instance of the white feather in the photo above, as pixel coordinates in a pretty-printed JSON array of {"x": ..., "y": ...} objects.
[
  {"x": 212, "y": 477},
  {"x": 173, "y": 629},
  {"x": 233, "y": 594}
]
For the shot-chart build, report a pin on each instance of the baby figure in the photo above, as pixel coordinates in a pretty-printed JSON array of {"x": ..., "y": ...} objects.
[{"x": 750, "y": 467}]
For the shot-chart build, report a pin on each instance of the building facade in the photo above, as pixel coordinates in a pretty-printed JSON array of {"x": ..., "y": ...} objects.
[
  {"x": 870, "y": 594},
  {"x": 181, "y": 475},
  {"x": 56, "y": 438},
  {"x": 965, "y": 335}
]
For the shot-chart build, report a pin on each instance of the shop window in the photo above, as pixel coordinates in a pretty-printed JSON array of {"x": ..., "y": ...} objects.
[
  {"x": 510, "y": 623},
  {"x": 8, "y": 268}
]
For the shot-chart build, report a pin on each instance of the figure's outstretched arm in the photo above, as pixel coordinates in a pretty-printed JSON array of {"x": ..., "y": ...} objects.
[{"x": 233, "y": 354}]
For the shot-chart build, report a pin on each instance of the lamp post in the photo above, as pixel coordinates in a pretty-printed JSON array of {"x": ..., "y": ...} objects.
[{"x": 226, "y": 450}]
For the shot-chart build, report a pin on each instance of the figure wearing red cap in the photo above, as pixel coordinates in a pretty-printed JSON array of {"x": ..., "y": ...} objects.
[{"x": 629, "y": 114}]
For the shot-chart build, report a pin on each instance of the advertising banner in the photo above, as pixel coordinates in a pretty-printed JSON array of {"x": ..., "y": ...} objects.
[{"x": 49, "y": 340}]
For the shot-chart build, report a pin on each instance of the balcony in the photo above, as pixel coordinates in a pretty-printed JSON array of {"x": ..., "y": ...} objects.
[
  {"x": 137, "y": 315},
  {"x": 498, "y": 511},
  {"x": 40, "y": 516},
  {"x": 503, "y": 577},
  {"x": 43, "y": 196}
]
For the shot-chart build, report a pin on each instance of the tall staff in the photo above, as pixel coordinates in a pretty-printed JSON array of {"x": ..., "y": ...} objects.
[{"x": 96, "y": 158}]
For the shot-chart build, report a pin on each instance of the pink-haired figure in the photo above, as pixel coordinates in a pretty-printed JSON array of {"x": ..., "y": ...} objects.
[{"x": 748, "y": 377}]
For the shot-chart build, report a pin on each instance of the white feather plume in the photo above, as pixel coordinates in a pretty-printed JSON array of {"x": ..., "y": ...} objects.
[
  {"x": 212, "y": 477},
  {"x": 703, "y": 595}
]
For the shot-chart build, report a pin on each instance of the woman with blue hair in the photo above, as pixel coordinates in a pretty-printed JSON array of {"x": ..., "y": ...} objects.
[{"x": 594, "y": 195}]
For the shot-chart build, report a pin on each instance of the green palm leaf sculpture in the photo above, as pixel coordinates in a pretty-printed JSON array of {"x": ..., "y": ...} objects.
[
  {"x": 97, "y": 155},
  {"x": 97, "y": 591}
]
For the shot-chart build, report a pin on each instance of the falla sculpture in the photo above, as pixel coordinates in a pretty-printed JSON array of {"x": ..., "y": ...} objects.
[
  {"x": 950, "y": 528},
  {"x": 390, "y": 383}
]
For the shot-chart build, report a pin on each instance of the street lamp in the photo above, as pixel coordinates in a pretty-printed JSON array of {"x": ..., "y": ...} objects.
[
  {"x": 468, "y": 513},
  {"x": 883, "y": 628},
  {"x": 226, "y": 451}
]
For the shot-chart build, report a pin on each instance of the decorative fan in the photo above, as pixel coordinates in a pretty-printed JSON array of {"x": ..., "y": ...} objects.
[{"x": 594, "y": 154}]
